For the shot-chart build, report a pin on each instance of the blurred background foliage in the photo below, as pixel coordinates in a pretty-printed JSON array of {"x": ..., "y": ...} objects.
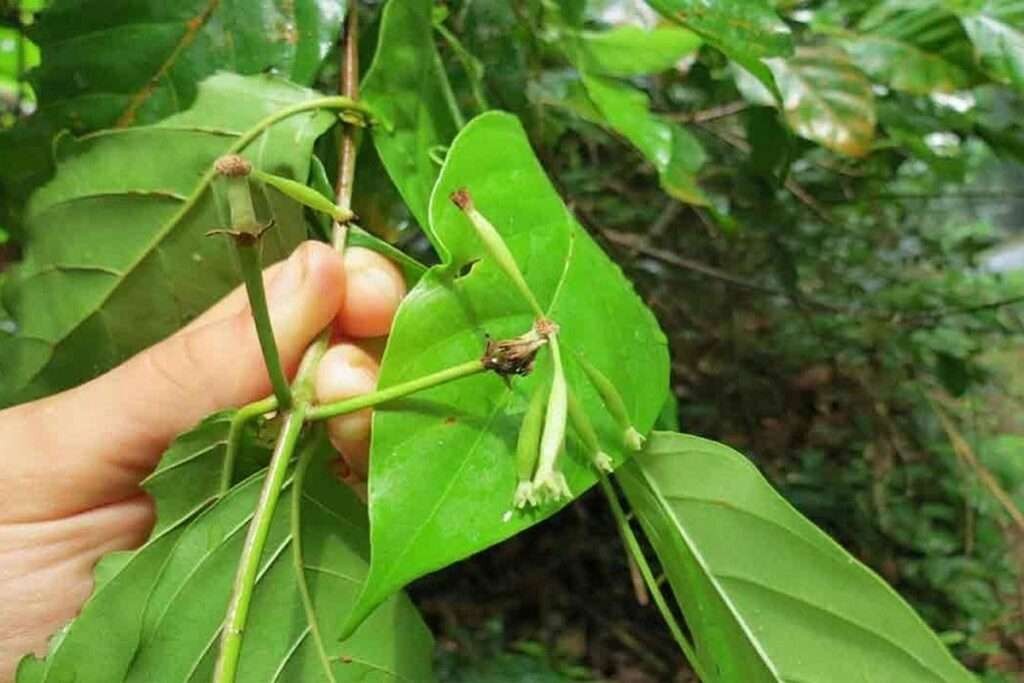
[{"x": 823, "y": 202}]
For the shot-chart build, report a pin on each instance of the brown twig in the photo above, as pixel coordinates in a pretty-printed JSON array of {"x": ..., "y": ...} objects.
[
  {"x": 719, "y": 112},
  {"x": 348, "y": 85},
  {"x": 964, "y": 451}
]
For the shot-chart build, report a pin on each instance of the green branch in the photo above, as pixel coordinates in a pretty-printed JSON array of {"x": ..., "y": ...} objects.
[
  {"x": 295, "y": 523},
  {"x": 349, "y": 405},
  {"x": 241, "y": 418},
  {"x": 252, "y": 551}
]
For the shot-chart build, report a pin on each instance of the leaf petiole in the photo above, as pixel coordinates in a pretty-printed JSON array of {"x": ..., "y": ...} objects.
[
  {"x": 633, "y": 546},
  {"x": 349, "y": 405},
  {"x": 241, "y": 418}
]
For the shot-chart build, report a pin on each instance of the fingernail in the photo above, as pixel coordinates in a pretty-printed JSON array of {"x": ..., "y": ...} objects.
[{"x": 366, "y": 276}]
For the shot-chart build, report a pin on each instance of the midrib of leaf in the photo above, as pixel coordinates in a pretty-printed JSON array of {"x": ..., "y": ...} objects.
[
  {"x": 259, "y": 577},
  {"x": 726, "y": 600},
  {"x": 499, "y": 404},
  {"x": 716, "y": 577},
  {"x": 192, "y": 28},
  {"x": 242, "y": 140},
  {"x": 498, "y": 407},
  {"x": 299, "y": 564},
  {"x": 846, "y": 622}
]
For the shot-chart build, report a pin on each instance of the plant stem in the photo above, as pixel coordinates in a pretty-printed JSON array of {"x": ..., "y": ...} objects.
[
  {"x": 348, "y": 85},
  {"x": 252, "y": 551},
  {"x": 349, "y": 405},
  {"x": 295, "y": 523},
  {"x": 241, "y": 418},
  {"x": 633, "y": 546},
  {"x": 252, "y": 273}
]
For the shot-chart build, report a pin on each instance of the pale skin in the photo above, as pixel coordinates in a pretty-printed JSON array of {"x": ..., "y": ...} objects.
[{"x": 72, "y": 462}]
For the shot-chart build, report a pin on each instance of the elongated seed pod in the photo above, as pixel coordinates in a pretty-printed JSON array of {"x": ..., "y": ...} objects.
[
  {"x": 632, "y": 439},
  {"x": 495, "y": 244},
  {"x": 585, "y": 430},
  {"x": 303, "y": 194},
  {"x": 548, "y": 482},
  {"x": 528, "y": 445}
]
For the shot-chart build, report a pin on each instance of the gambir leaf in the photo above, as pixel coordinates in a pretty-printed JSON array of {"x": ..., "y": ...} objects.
[
  {"x": 670, "y": 148},
  {"x": 825, "y": 98},
  {"x": 115, "y": 252},
  {"x": 156, "y": 613},
  {"x": 100, "y": 643},
  {"x": 745, "y": 30},
  {"x": 442, "y": 463},
  {"x": 632, "y": 51},
  {"x": 919, "y": 50},
  {"x": 136, "y": 62},
  {"x": 408, "y": 89},
  {"x": 997, "y": 31},
  {"x": 767, "y": 596}
]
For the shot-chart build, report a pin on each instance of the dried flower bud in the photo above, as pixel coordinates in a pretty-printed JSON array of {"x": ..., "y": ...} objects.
[
  {"x": 513, "y": 356},
  {"x": 233, "y": 166}
]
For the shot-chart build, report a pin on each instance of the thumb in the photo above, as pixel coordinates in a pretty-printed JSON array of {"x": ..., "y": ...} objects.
[
  {"x": 218, "y": 364},
  {"x": 113, "y": 429}
]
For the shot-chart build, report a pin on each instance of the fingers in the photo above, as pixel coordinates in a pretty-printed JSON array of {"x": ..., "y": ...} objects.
[
  {"x": 347, "y": 371},
  {"x": 375, "y": 288},
  {"x": 92, "y": 445}
]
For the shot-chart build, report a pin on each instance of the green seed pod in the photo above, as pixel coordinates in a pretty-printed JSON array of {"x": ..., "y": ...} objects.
[
  {"x": 548, "y": 482},
  {"x": 495, "y": 244},
  {"x": 303, "y": 194},
  {"x": 632, "y": 439},
  {"x": 528, "y": 445},
  {"x": 581, "y": 423}
]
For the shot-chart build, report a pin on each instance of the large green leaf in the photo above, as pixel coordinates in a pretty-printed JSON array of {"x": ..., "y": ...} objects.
[
  {"x": 408, "y": 89},
  {"x": 825, "y": 98},
  {"x": 745, "y": 30},
  {"x": 155, "y": 614},
  {"x": 442, "y": 464},
  {"x": 918, "y": 50},
  {"x": 997, "y": 30},
  {"x": 670, "y": 148},
  {"x": 115, "y": 253},
  {"x": 633, "y": 51},
  {"x": 137, "y": 61},
  {"x": 767, "y": 596}
]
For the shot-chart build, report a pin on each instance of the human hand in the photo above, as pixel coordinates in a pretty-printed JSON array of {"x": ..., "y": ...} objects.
[{"x": 72, "y": 463}]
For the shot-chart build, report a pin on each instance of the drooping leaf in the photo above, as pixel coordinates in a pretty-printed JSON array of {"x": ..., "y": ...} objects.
[
  {"x": 767, "y": 596},
  {"x": 156, "y": 613},
  {"x": 825, "y": 98},
  {"x": 135, "y": 62},
  {"x": 115, "y": 252},
  {"x": 631, "y": 50},
  {"x": 407, "y": 87},
  {"x": 673, "y": 151},
  {"x": 745, "y": 30},
  {"x": 442, "y": 463},
  {"x": 997, "y": 30}
]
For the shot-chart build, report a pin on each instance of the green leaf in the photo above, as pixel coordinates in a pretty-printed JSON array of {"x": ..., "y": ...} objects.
[
  {"x": 442, "y": 464},
  {"x": 996, "y": 30},
  {"x": 136, "y": 62},
  {"x": 768, "y": 596},
  {"x": 673, "y": 151},
  {"x": 633, "y": 51},
  {"x": 745, "y": 30},
  {"x": 825, "y": 98},
  {"x": 115, "y": 254},
  {"x": 100, "y": 643},
  {"x": 155, "y": 614},
  {"x": 903, "y": 66},
  {"x": 408, "y": 89}
]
